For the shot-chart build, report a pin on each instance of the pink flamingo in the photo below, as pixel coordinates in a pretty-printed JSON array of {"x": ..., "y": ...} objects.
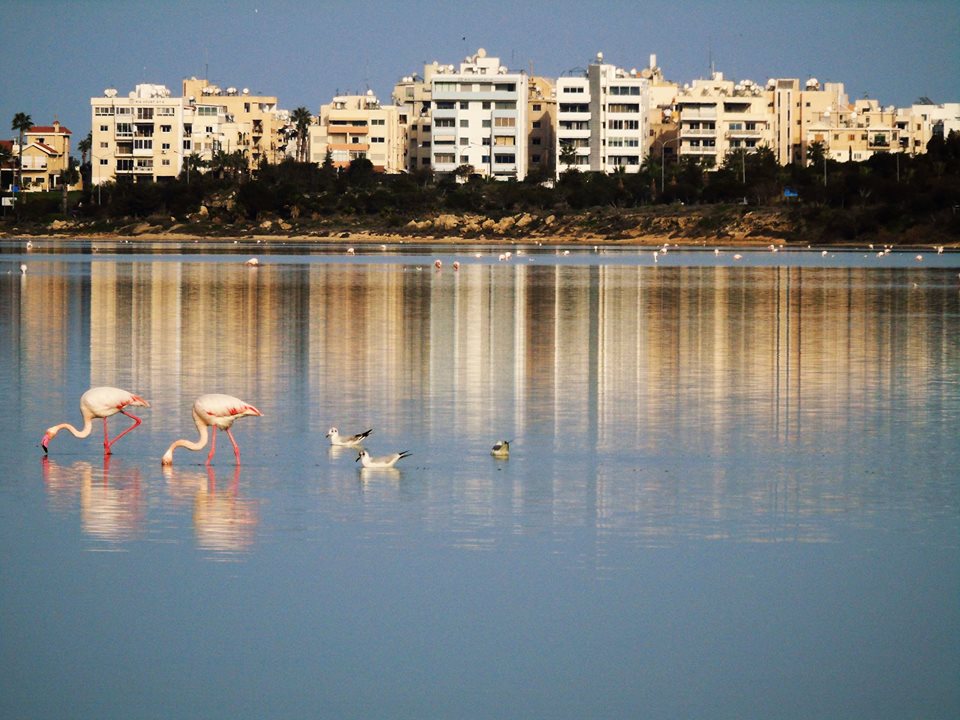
[
  {"x": 216, "y": 411},
  {"x": 99, "y": 402}
]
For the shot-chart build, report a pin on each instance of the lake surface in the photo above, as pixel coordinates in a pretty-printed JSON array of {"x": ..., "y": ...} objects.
[{"x": 732, "y": 490}]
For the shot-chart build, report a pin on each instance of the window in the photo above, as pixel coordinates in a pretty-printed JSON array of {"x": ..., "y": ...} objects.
[
  {"x": 504, "y": 140},
  {"x": 207, "y": 110},
  {"x": 536, "y": 107},
  {"x": 125, "y": 164},
  {"x": 486, "y": 105},
  {"x": 505, "y": 105},
  {"x": 505, "y": 122},
  {"x": 464, "y": 159},
  {"x": 625, "y": 90},
  {"x": 104, "y": 145},
  {"x": 536, "y": 124},
  {"x": 536, "y": 141},
  {"x": 142, "y": 144},
  {"x": 104, "y": 161},
  {"x": 445, "y": 105},
  {"x": 505, "y": 87},
  {"x": 486, "y": 123},
  {"x": 166, "y": 112},
  {"x": 124, "y": 130},
  {"x": 574, "y": 89},
  {"x": 444, "y": 122},
  {"x": 535, "y": 158},
  {"x": 104, "y": 128},
  {"x": 187, "y": 144},
  {"x": 574, "y": 107},
  {"x": 101, "y": 111},
  {"x": 623, "y": 108},
  {"x": 464, "y": 105},
  {"x": 380, "y": 121},
  {"x": 144, "y": 113},
  {"x": 166, "y": 128},
  {"x": 377, "y": 140},
  {"x": 504, "y": 158},
  {"x": 464, "y": 141},
  {"x": 464, "y": 123},
  {"x": 165, "y": 146},
  {"x": 448, "y": 158},
  {"x": 165, "y": 162}
]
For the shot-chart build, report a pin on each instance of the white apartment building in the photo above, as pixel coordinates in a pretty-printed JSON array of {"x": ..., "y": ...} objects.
[
  {"x": 140, "y": 137},
  {"x": 147, "y": 135},
  {"x": 603, "y": 117},
  {"x": 479, "y": 114},
  {"x": 358, "y": 126},
  {"x": 718, "y": 116},
  {"x": 920, "y": 122}
]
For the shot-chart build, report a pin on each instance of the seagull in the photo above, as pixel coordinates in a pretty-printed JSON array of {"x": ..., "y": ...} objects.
[
  {"x": 386, "y": 461},
  {"x": 501, "y": 449},
  {"x": 252, "y": 262},
  {"x": 349, "y": 440}
]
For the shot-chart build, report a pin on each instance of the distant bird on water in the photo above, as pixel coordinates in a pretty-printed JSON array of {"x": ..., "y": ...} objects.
[
  {"x": 216, "y": 411},
  {"x": 501, "y": 449},
  {"x": 347, "y": 440},
  {"x": 386, "y": 461},
  {"x": 99, "y": 402}
]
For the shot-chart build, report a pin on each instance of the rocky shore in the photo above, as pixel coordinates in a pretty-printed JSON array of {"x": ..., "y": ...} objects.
[{"x": 702, "y": 225}]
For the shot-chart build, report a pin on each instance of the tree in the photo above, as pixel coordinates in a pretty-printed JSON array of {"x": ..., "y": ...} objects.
[
  {"x": 301, "y": 118},
  {"x": 568, "y": 154},
  {"x": 68, "y": 177},
  {"x": 84, "y": 147},
  {"x": 21, "y": 123}
]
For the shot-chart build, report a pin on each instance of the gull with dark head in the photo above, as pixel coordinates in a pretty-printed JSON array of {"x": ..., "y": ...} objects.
[
  {"x": 385, "y": 461},
  {"x": 347, "y": 440}
]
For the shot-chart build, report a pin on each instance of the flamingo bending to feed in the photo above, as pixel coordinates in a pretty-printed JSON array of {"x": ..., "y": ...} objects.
[
  {"x": 99, "y": 402},
  {"x": 216, "y": 411}
]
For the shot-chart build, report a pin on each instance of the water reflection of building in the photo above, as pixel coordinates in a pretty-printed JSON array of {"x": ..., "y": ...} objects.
[
  {"x": 666, "y": 360},
  {"x": 112, "y": 503}
]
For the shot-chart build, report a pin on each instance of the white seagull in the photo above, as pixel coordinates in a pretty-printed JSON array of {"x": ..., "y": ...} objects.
[
  {"x": 346, "y": 441},
  {"x": 383, "y": 462}
]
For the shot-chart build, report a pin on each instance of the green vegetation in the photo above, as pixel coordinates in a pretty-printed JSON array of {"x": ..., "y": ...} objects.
[{"x": 893, "y": 197}]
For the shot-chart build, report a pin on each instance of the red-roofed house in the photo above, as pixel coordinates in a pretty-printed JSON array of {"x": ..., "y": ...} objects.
[{"x": 46, "y": 153}]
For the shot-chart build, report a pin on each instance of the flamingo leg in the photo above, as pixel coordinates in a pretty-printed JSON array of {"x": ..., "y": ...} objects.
[
  {"x": 136, "y": 421},
  {"x": 213, "y": 443},
  {"x": 106, "y": 438},
  {"x": 236, "y": 448}
]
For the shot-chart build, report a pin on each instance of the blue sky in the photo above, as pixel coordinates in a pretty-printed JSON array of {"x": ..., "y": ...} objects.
[{"x": 54, "y": 56}]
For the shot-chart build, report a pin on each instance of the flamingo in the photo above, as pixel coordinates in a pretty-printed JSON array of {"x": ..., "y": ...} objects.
[
  {"x": 99, "y": 402},
  {"x": 216, "y": 411}
]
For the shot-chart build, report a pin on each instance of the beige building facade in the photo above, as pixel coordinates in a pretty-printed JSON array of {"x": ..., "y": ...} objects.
[
  {"x": 541, "y": 123},
  {"x": 46, "y": 154},
  {"x": 358, "y": 126}
]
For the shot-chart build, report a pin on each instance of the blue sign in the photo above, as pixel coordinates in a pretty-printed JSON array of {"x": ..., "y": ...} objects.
[{"x": 790, "y": 193}]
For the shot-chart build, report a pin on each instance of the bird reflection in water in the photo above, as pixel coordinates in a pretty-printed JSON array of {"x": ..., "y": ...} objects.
[
  {"x": 223, "y": 521},
  {"x": 112, "y": 502}
]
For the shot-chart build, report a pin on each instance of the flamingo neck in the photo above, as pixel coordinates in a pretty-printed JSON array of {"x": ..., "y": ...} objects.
[
  {"x": 81, "y": 433},
  {"x": 198, "y": 444}
]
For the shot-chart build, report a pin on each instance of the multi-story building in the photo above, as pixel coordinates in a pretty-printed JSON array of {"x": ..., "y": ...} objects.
[
  {"x": 140, "y": 137},
  {"x": 413, "y": 98},
  {"x": 147, "y": 135},
  {"x": 718, "y": 116},
  {"x": 231, "y": 120},
  {"x": 358, "y": 126},
  {"x": 602, "y": 119},
  {"x": 797, "y": 111},
  {"x": 479, "y": 115},
  {"x": 919, "y": 123},
  {"x": 541, "y": 120},
  {"x": 856, "y": 132},
  {"x": 46, "y": 154}
]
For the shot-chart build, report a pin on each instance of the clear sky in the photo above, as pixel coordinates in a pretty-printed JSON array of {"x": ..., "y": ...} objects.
[{"x": 56, "y": 55}]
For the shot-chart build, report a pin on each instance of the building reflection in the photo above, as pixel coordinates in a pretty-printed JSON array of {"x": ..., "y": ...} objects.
[
  {"x": 112, "y": 502},
  {"x": 667, "y": 361}
]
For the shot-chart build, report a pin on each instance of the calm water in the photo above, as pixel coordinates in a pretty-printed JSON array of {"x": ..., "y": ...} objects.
[{"x": 732, "y": 493}]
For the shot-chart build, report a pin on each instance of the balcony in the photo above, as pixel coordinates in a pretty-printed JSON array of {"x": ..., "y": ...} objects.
[{"x": 698, "y": 133}]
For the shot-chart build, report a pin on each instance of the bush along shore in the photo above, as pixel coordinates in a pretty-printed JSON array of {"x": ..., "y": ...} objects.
[{"x": 891, "y": 199}]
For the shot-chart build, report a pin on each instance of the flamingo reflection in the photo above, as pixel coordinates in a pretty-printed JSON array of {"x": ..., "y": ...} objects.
[
  {"x": 223, "y": 521},
  {"x": 112, "y": 505}
]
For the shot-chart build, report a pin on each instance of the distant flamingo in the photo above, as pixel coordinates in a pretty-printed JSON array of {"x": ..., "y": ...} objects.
[
  {"x": 99, "y": 402},
  {"x": 216, "y": 411}
]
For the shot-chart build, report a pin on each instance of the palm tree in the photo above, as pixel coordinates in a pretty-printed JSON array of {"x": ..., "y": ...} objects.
[
  {"x": 301, "y": 118},
  {"x": 84, "y": 147},
  {"x": 22, "y": 123}
]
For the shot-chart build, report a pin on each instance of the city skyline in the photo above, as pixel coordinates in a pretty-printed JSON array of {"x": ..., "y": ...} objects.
[{"x": 894, "y": 52}]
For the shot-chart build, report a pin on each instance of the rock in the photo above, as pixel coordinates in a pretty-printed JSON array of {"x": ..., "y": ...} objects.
[
  {"x": 266, "y": 225},
  {"x": 203, "y": 211},
  {"x": 446, "y": 222},
  {"x": 285, "y": 226},
  {"x": 550, "y": 220},
  {"x": 525, "y": 220}
]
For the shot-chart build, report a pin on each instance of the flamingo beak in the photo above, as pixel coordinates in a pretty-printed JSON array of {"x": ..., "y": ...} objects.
[{"x": 44, "y": 443}]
